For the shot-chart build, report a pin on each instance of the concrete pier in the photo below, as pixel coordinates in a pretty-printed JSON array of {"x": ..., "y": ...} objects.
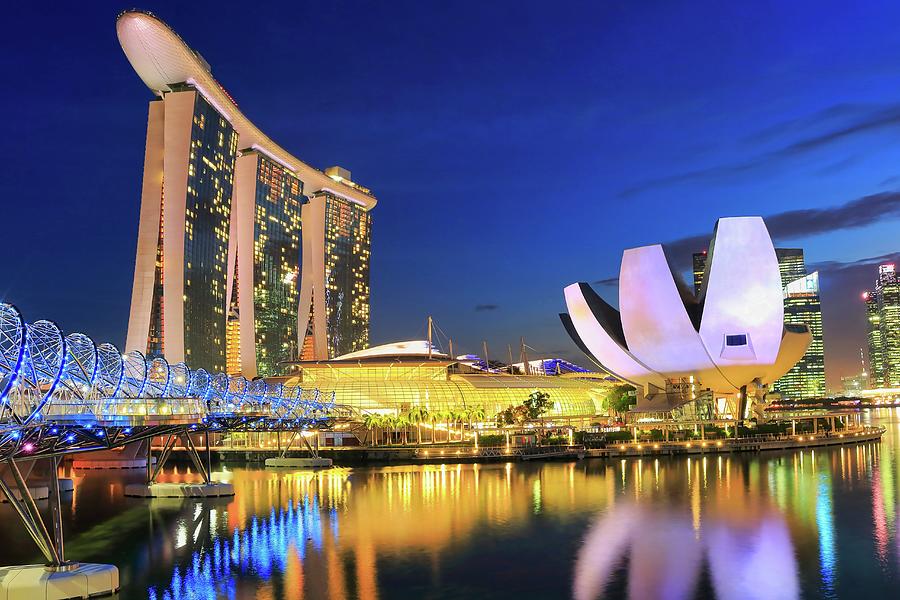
[
  {"x": 75, "y": 580},
  {"x": 179, "y": 490}
]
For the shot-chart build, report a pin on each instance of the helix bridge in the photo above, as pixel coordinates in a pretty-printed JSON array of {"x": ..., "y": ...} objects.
[{"x": 62, "y": 394}]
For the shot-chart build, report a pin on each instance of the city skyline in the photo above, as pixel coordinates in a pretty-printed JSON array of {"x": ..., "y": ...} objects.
[{"x": 457, "y": 171}]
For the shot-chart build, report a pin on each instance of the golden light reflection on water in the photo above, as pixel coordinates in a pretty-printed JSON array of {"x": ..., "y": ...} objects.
[{"x": 774, "y": 524}]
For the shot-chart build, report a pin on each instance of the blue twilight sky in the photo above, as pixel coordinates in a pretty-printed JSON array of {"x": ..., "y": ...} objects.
[{"x": 515, "y": 147}]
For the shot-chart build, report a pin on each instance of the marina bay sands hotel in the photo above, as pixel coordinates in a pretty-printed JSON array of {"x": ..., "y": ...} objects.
[{"x": 226, "y": 215}]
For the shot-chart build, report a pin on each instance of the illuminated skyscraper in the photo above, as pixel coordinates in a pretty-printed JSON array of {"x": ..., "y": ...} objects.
[
  {"x": 699, "y": 268},
  {"x": 802, "y": 305},
  {"x": 790, "y": 264},
  {"x": 219, "y": 199},
  {"x": 267, "y": 211},
  {"x": 873, "y": 337},
  {"x": 334, "y": 303},
  {"x": 883, "y": 316},
  {"x": 180, "y": 280}
]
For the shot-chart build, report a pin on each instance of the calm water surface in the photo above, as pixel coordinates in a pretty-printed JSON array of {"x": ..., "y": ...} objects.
[{"x": 799, "y": 524}]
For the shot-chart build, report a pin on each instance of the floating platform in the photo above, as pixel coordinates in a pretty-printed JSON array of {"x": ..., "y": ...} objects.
[
  {"x": 178, "y": 490},
  {"x": 299, "y": 463},
  {"x": 75, "y": 580},
  {"x": 110, "y": 463}
]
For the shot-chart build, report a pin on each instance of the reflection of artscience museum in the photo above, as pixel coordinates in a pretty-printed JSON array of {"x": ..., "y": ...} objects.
[
  {"x": 707, "y": 356},
  {"x": 665, "y": 556}
]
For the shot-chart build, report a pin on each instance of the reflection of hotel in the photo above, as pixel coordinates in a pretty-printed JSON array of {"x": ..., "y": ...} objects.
[{"x": 220, "y": 228}]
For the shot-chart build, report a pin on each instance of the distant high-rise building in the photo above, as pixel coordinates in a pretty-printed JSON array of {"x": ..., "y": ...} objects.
[
  {"x": 334, "y": 302},
  {"x": 220, "y": 198},
  {"x": 883, "y": 317},
  {"x": 802, "y": 305},
  {"x": 790, "y": 264},
  {"x": 699, "y": 269}
]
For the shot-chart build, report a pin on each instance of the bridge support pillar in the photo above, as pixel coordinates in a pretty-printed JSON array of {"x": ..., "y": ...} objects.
[
  {"x": 58, "y": 578},
  {"x": 207, "y": 489},
  {"x": 311, "y": 461}
]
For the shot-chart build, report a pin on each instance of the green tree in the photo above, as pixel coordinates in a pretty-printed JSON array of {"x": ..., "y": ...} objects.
[
  {"x": 621, "y": 398},
  {"x": 537, "y": 404}
]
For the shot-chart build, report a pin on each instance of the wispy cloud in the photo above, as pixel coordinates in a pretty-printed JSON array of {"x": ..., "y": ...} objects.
[
  {"x": 485, "y": 307},
  {"x": 809, "y": 122},
  {"x": 607, "y": 281},
  {"x": 874, "y": 120},
  {"x": 795, "y": 224},
  {"x": 840, "y": 268}
]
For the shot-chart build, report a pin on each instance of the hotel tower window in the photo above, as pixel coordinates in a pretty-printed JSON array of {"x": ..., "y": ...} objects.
[{"x": 269, "y": 199}]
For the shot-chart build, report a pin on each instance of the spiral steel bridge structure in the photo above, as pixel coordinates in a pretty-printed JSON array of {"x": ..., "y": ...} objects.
[{"x": 63, "y": 393}]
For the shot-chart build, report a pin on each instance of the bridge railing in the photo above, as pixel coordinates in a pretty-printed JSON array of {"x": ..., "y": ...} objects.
[{"x": 46, "y": 376}]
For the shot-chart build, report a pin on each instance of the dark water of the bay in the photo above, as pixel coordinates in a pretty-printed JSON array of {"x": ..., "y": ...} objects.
[{"x": 811, "y": 524}]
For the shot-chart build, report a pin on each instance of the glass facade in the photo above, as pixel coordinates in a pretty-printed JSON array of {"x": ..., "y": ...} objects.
[
  {"x": 873, "y": 337},
  {"x": 883, "y": 316},
  {"x": 276, "y": 265},
  {"x": 699, "y": 268},
  {"x": 397, "y": 387},
  {"x": 790, "y": 264},
  {"x": 347, "y": 252},
  {"x": 207, "y": 213},
  {"x": 802, "y": 306}
]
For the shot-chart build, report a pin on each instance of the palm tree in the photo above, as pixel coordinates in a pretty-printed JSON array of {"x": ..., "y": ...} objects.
[
  {"x": 371, "y": 421},
  {"x": 402, "y": 421},
  {"x": 477, "y": 415},
  {"x": 459, "y": 418},
  {"x": 389, "y": 422},
  {"x": 416, "y": 415}
]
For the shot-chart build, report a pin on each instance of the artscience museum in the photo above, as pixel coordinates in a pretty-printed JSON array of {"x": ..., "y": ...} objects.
[{"x": 709, "y": 356}]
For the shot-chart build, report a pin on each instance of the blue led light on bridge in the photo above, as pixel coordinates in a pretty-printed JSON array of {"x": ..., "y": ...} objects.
[{"x": 48, "y": 378}]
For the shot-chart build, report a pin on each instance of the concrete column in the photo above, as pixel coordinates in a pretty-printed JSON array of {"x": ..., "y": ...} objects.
[
  {"x": 702, "y": 431},
  {"x": 793, "y": 427}
]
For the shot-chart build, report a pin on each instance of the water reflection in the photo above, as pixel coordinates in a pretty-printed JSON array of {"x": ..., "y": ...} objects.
[
  {"x": 816, "y": 524},
  {"x": 665, "y": 555}
]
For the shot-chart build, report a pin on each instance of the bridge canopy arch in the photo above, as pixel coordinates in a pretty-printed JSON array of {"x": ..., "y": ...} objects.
[
  {"x": 12, "y": 347},
  {"x": 134, "y": 377}
]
